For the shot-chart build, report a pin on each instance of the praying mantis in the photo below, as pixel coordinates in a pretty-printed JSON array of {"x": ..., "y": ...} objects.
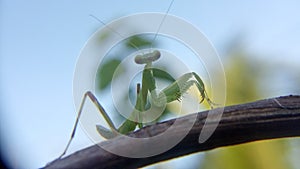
[
  {"x": 169, "y": 94},
  {"x": 146, "y": 92}
]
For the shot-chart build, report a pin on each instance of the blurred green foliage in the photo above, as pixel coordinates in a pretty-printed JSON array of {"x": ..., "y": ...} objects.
[
  {"x": 243, "y": 77},
  {"x": 106, "y": 72},
  {"x": 137, "y": 41}
]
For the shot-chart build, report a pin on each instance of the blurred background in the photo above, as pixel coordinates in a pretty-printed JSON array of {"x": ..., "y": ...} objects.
[{"x": 258, "y": 43}]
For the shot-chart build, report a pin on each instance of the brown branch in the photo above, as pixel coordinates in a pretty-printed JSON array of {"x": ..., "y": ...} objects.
[{"x": 260, "y": 120}]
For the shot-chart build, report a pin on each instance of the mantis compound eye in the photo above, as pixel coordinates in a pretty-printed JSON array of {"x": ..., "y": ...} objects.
[{"x": 148, "y": 57}]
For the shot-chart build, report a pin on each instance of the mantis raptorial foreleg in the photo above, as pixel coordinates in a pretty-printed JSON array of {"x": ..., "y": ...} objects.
[{"x": 176, "y": 89}]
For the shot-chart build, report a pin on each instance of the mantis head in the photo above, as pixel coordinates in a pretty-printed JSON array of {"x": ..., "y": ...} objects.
[{"x": 147, "y": 58}]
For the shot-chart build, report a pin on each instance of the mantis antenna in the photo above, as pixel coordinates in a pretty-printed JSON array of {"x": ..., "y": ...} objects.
[
  {"x": 162, "y": 21},
  {"x": 132, "y": 44},
  {"x": 113, "y": 30}
]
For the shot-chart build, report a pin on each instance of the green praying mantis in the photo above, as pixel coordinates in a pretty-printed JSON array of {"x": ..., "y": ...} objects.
[{"x": 145, "y": 91}]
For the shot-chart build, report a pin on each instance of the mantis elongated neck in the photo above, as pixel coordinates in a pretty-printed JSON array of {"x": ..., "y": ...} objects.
[{"x": 148, "y": 65}]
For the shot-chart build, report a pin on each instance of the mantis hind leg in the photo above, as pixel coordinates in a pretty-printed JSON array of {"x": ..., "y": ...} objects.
[{"x": 102, "y": 130}]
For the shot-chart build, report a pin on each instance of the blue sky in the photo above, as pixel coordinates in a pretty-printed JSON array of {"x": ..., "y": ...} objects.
[{"x": 41, "y": 40}]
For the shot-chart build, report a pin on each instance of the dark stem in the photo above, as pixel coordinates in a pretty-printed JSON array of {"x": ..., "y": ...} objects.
[{"x": 260, "y": 120}]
